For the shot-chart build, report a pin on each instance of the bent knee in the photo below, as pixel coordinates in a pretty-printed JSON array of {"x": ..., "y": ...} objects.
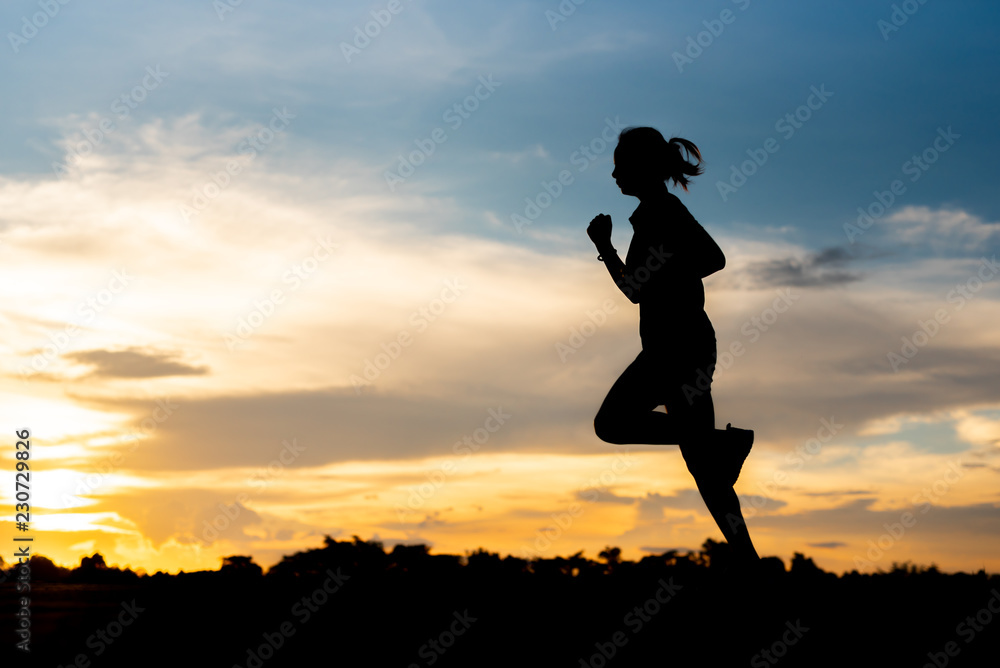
[{"x": 607, "y": 429}]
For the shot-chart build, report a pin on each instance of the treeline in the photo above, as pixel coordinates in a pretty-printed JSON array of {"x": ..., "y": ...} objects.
[
  {"x": 362, "y": 556},
  {"x": 354, "y": 602}
]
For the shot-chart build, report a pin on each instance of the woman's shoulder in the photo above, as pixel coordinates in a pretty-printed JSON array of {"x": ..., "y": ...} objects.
[
  {"x": 667, "y": 209},
  {"x": 677, "y": 204}
]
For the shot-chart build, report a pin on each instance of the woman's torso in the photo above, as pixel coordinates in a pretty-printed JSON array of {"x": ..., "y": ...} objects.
[{"x": 672, "y": 313}]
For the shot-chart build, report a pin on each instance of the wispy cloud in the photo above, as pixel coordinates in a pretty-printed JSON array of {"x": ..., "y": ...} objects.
[{"x": 134, "y": 363}]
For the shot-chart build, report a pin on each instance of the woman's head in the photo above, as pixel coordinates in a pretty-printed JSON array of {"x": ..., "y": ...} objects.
[{"x": 644, "y": 160}]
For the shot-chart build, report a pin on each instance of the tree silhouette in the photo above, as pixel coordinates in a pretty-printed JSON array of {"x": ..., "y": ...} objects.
[
  {"x": 93, "y": 563},
  {"x": 398, "y": 600},
  {"x": 804, "y": 566},
  {"x": 612, "y": 555},
  {"x": 716, "y": 555},
  {"x": 44, "y": 569},
  {"x": 240, "y": 566}
]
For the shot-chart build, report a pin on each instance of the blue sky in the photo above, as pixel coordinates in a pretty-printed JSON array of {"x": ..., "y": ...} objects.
[
  {"x": 558, "y": 86},
  {"x": 327, "y": 128}
]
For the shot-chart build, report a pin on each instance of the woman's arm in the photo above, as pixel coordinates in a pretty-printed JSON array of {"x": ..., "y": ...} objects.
[
  {"x": 698, "y": 254},
  {"x": 620, "y": 274},
  {"x": 599, "y": 232},
  {"x": 695, "y": 252},
  {"x": 689, "y": 251}
]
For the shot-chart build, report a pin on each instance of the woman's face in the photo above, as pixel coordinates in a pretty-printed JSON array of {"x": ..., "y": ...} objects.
[{"x": 630, "y": 176}]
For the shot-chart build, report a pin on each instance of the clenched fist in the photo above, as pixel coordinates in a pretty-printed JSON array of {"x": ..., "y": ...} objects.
[{"x": 599, "y": 230}]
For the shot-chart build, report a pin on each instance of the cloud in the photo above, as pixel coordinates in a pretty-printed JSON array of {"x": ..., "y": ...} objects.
[
  {"x": 327, "y": 425},
  {"x": 846, "y": 492},
  {"x": 188, "y": 516},
  {"x": 661, "y": 550},
  {"x": 757, "y": 503},
  {"x": 346, "y": 315},
  {"x": 514, "y": 157},
  {"x": 860, "y": 518},
  {"x": 828, "y": 545},
  {"x": 652, "y": 505},
  {"x": 819, "y": 269},
  {"x": 604, "y": 496},
  {"x": 943, "y": 231},
  {"x": 977, "y": 428},
  {"x": 492, "y": 348},
  {"x": 134, "y": 363}
]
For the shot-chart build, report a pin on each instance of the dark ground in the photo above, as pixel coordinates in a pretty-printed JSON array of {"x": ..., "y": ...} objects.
[{"x": 364, "y": 607}]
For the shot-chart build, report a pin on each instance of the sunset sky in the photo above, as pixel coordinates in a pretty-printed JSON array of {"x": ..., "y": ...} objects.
[{"x": 268, "y": 278}]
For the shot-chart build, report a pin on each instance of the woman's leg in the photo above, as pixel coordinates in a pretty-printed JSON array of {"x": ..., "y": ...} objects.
[
  {"x": 708, "y": 462},
  {"x": 627, "y": 417}
]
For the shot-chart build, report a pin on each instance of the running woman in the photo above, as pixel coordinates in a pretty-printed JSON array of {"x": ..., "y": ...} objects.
[{"x": 668, "y": 257}]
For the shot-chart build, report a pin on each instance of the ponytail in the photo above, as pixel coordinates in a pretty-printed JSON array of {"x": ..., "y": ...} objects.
[{"x": 679, "y": 168}]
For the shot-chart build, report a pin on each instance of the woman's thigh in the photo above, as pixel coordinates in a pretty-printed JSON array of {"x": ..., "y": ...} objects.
[
  {"x": 638, "y": 389},
  {"x": 685, "y": 383},
  {"x": 627, "y": 416}
]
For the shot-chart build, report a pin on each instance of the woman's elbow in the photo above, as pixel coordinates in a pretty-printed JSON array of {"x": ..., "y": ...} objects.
[
  {"x": 709, "y": 269},
  {"x": 717, "y": 263}
]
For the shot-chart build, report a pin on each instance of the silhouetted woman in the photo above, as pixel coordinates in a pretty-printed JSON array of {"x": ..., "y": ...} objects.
[{"x": 669, "y": 256}]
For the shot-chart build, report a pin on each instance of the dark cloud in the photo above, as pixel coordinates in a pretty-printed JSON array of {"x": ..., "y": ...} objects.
[
  {"x": 604, "y": 496},
  {"x": 823, "y": 360},
  {"x": 432, "y": 521},
  {"x": 682, "y": 499},
  {"x": 663, "y": 550},
  {"x": 134, "y": 363},
  {"x": 819, "y": 269},
  {"x": 759, "y": 503},
  {"x": 981, "y": 519},
  {"x": 877, "y": 538},
  {"x": 652, "y": 505},
  {"x": 310, "y": 428},
  {"x": 831, "y": 354},
  {"x": 843, "y": 492}
]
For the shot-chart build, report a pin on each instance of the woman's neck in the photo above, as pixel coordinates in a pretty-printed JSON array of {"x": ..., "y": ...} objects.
[{"x": 655, "y": 192}]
